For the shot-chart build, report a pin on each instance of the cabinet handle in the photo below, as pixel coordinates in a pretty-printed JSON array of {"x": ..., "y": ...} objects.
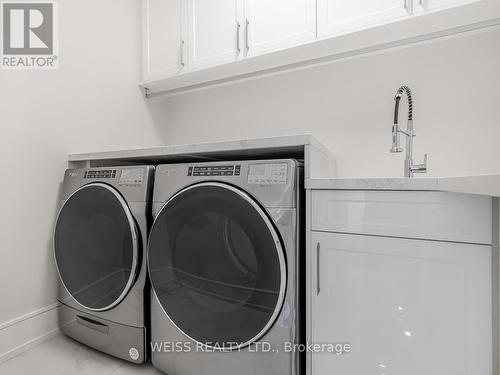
[
  {"x": 238, "y": 27},
  {"x": 318, "y": 287},
  {"x": 183, "y": 64},
  {"x": 247, "y": 43},
  {"x": 408, "y": 4}
]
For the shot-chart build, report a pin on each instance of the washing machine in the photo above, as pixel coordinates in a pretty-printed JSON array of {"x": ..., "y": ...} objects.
[
  {"x": 224, "y": 260},
  {"x": 100, "y": 240}
]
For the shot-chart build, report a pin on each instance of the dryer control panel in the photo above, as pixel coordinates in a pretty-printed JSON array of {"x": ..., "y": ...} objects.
[
  {"x": 216, "y": 170},
  {"x": 134, "y": 183},
  {"x": 131, "y": 176},
  {"x": 267, "y": 173}
]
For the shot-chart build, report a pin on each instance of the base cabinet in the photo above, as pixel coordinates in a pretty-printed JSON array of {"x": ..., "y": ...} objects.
[
  {"x": 406, "y": 278},
  {"x": 404, "y": 306}
]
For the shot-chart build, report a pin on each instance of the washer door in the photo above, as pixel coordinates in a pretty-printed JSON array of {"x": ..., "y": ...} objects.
[
  {"x": 96, "y": 247},
  {"x": 217, "y": 266}
]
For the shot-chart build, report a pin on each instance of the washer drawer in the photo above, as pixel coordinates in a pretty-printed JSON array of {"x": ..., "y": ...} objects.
[
  {"x": 119, "y": 340},
  {"x": 408, "y": 214}
]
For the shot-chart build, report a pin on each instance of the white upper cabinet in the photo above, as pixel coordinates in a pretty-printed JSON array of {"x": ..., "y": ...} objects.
[
  {"x": 342, "y": 16},
  {"x": 277, "y": 24},
  {"x": 165, "y": 37},
  {"x": 215, "y": 33},
  {"x": 190, "y": 44}
]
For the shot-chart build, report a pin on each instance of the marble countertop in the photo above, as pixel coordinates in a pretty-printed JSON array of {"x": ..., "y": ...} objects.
[
  {"x": 319, "y": 164},
  {"x": 319, "y": 161},
  {"x": 481, "y": 184},
  {"x": 275, "y": 143}
]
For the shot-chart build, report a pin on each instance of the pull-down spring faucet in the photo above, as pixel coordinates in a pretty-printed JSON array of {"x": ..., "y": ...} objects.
[{"x": 409, "y": 167}]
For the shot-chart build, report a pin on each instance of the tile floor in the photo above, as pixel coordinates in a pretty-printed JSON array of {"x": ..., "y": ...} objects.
[{"x": 63, "y": 356}]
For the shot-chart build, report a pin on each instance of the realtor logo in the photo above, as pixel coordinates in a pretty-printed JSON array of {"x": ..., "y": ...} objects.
[{"x": 29, "y": 35}]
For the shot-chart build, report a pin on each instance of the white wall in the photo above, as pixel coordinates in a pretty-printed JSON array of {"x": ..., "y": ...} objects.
[
  {"x": 349, "y": 106},
  {"x": 92, "y": 102}
]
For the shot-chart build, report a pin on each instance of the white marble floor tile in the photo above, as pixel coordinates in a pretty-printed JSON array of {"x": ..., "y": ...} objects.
[
  {"x": 131, "y": 369},
  {"x": 63, "y": 356}
]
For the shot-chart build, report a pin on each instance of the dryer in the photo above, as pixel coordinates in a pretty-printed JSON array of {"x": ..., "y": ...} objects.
[
  {"x": 225, "y": 267},
  {"x": 99, "y": 247}
]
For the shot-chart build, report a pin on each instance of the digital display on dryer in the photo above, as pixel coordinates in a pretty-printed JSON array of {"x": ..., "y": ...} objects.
[
  {"x": 132, "y": 176},
  {"x": 268, "y": 173},
  {"x": 219, "y": 170}
]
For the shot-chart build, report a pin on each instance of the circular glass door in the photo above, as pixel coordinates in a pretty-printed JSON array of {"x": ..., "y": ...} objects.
[
  {"x": 95, "y": 245},
  {"x": 217, "y": 265}
]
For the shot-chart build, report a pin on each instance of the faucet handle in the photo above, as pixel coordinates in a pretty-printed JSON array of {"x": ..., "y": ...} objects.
[{"x": 420, "y": 168}]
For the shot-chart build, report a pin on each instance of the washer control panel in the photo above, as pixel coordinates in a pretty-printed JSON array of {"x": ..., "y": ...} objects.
[
  {"x": 218, "y": 170},
  {"x": 131, "y": 176},
  {"x": 100, "y": 173},
  {"x": 267, "y": 173}
]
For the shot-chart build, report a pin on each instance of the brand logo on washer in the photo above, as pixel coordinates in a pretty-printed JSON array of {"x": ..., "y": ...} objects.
[{"x": 134, "y": 354}]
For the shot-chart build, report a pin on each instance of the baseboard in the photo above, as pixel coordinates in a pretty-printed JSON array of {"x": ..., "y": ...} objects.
[{"x": 20, "y": 334}]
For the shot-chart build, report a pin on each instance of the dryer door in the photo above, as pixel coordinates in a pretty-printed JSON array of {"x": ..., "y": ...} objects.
[
  {"x": 217, "y": 266},
  {"x": 96, "y": 246}
]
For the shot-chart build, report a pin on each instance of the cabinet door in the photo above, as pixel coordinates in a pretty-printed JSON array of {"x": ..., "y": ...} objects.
[
  {"x": 165, "y": 34},
  {"x": 430, "y": 5},
  {"x": 341, "y": 16},
  {"x": 276, "y": 24},
  {"x": 405, "y": 306},
  {"x": 215, "y": 31}
]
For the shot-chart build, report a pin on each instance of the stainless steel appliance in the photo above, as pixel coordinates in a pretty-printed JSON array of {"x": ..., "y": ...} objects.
[
  {"x": 99, "y": 247},
  {"x": 223, "y": 259}
]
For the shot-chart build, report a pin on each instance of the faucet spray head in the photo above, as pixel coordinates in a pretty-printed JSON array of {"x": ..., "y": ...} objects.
[
  {"x": 396, "y": 143},
  {"x": 396, "y": 147}
]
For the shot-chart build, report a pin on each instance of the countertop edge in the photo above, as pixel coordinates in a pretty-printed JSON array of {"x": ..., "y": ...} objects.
[
  {"x": 488, "y": 185},
  {"x": 200, "y": 148}
]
